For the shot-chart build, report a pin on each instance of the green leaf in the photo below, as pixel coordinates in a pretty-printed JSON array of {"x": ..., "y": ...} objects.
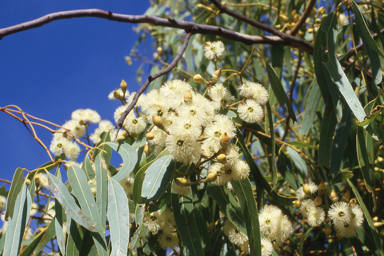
[
  {"x": 29, "y": 249},
  {"x": 364, "y": 157},
  {"x": 101, "y": 186},
  {"x": 186, "y": 223},
  {"x": 369, "y": 44},
  {"x": 103, "y": 147},
  {"x": 157, "y": 178},
  {"x": 302, "y": 240},
  {"x": 258, "y": 176},
  {"x": 299, "y": 144},
  {"x": 371, "y": 117},
  {"x": 376, "y": 237},
  {"x": 83, "y": 193},
  {"x": 326, "y": 135},
  {"x": 75, "y": 239},
  {"x": 129, "y": 156},
  {"x": 17, "y": 183},
  {"x": 217, "y": 242},
  {"x": 228, "y": 205},
  {"x": 65, "y": 199},
  {"x": 138, "y": 183},
  {"x": 336, "y": 72},
  {"x": 118, "y": 216},
  {"x": 87, "y": 167},
  {"x": 16, "y": 225},
  {"x": 243, "y": 190},
  {"x": 273, "y": 148},
  {"x": 310, "y": 108},
  {"x": 60, "y": 235},
  {"x": 279, "y": 92},
  {"x": 283, "y": 163},
  {"x": 342, "y": 176},
  {"x": 49, "y": 234},
  {"x": 100, "y": 243},
  {"x": 340, "y": 139}
]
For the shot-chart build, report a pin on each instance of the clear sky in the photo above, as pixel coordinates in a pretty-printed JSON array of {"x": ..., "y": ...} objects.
[{"x": 55, "y": 69}]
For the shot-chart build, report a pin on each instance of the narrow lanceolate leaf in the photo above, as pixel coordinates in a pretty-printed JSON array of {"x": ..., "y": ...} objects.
[
  {"x": 101, "y": 186},
  {"x": 365, "y": 162},
  {"x": 48, "y": 236},
  {"x": 75, "y": 239},
  {"x": 29, "y": 249},
  {"x": 16, "y": 225},
  {"x": 17, "y": 183},
  {"x": 326, "y": 135},
  {"x": 273, "y": 148},
  {"x": 129, "y": 156},
  {"x": 87, "y": 167},
  {"x": 228, "y": 205},
  {"x": 342, "y": 176},
  {"x": 376, "y": 237},
  {"x": 157, "y": 178},
  {"x": 64, "y": 197},
  {"x": 103, "y": 147},
  {"x": 186, "y": 223},
  {"x": 369, "y": 44},
  {"x": 341, "y": 136},
  {"x": 258, "y": 176},
  {"x": 336, "y": 72},
  {"x": 83, "y": 193},
  {"x": 243, "y": 190},
  {"x": 118, "y": 216},
  {"x": 279, "y": 92},
  {"x": 100, "y": 244},
  {"x": 310, "y": 109}
]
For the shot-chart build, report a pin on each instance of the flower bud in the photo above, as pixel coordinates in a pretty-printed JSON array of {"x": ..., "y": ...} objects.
[
  {"x": 222, "y": 158},
  {"x": 375, "y": 218},
  {"x": 117, "y": 95},
  {"x": 327, "y": 229},
  {"x": 182, "y": 181},
  {"x": 66, "y": 166},
  {"x": 150, "y": 136},
  {"x": 310, "y": 30},
  {"x": 334, "y": 196},
  {"x": 147, "y": 148},
  {"x": 380, "y": 159},
  {"x": 123, "y": 86},
  {"x": 159, "y": 50},
  {"x": 296, "y": 17},
  {"x": 27, "y": 182},
  {"x": 216, "y": 76},
  {"x": 225, "y": 138},
  {"x": 378, "y": 224},
  {"x": 296, "y": 203},
  {"x": 212, "y": 176},
  {"x": 283, "y": 18},
  {"x": 188, "y": 96},
  {"x": 346, "y": 196},
  {"x": 353, "y": 201},
  {"x": 121, "y": 138},
  {"x": 307, "y": 190},
  {"x": 37, "y": 181},
  {"x": 157, "y": 121},
  {"x": 199, "y": 79},
  {"x": 318, "y": 200}
]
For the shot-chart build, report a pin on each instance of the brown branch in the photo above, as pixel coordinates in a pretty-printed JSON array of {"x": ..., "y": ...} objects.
[
  {"x": 164, "y": 71},
  {"x": 180, "y": 24},
  {"x": 303, "y": 18},
  {"x": 295, "y": 41}
]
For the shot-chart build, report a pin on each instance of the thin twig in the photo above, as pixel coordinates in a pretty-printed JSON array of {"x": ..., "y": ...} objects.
[
  {"x": 164, "y": 71},
  {"x": 180, "y": 24},
  {"x": 304, "y": 45},
  {"x": 303, "y": 18}
]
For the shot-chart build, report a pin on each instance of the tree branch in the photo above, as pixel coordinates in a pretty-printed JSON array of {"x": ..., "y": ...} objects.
[
  {"x": 295, "y": 41},
  {"x": 303, "y": 18},
  {"x": 164, "y": 71},
  {"x": 180, "y": 24}
]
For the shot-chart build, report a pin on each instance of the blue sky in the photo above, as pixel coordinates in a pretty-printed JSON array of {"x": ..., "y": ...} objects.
[{"x": 53, "y": 70}]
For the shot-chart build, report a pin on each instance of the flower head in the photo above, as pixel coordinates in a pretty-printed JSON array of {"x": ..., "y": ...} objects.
[
  {"x": 213, "y": 50},
  {"x": 250, "y": 111}
]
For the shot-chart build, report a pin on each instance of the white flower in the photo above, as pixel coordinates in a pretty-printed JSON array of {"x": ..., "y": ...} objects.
[
  {"x": 168, "y": 240},
  {"x": 255, "y": 91},
  {"x": 75, "y": 127},
  {"x": 127, "y": 184},
  {"x": 228, "y": 226},
  {"x": 173, "y": 92},
  {"x": 240, "y": 170},
  {"x": 152, "y": 222},
  {"x": 183, "y": 150},
  {"x": 104, "y": 126},
  {"x": 72, "y": 150},
  {"x": 220, "y": 95},
  {"x": 213, "y": 50},
  {"x": 58, "y": 144},
  {"x": 134, "y": 124},
  {"x": 306, "y": 206},
  {"x": 87, "y": 115},
  {"x": 181, "y": 190},
  {"x": 269, "y": 219},
  {"x": 235, "y": 236},
  {"x": 48, "y": 217},
  {"x": 266, "y": 247},
  {"x": 214, "y": 132},
  {"x": 316, "y": 216},
  {"x": 224, "y": 173},
  {"x": 41, "y": 181},
  {"x": 3, "y": 200},
  {"x": 186, "y": 128},
  {"x": 340, "y": 213},
  {"x": 232, "y": 152},
  {"x": 250, "y": 111},
  {"x": 300, "y": 192}
]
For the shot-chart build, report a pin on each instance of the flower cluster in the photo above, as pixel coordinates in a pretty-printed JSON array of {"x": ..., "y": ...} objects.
[
  {"x": 346, "y": 218},
  {"x": 275, "y": 226}
]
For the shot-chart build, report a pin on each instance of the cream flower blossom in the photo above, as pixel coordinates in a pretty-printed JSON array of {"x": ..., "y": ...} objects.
[
  {"x": 213, "y": 50},
  {"x": 250, "y": 111}
]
